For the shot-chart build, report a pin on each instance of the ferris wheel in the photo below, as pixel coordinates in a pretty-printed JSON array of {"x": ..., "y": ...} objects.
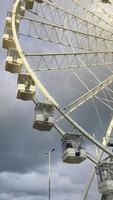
[{"x": 62, "y": 51}]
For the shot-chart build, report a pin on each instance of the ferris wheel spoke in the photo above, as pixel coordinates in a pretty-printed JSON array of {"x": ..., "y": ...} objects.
[
  {"x": 88, "y": 12},
  {"x": 86, "y": 31},
  {"x": 105, "y": 141},
  {"x": 89, "y": 30},
  {"x": 101, "y": 7},
  {"x": 75, "y": 104},
  {"x": 93, "y": 99},
  {"x": 104, "y": 102},
  {"x": 74, "y": 6},
  {"x": 59, "y": 34},
  {"x": 93, "y": 11},
  {"x": 60, "y": 16},
  {"x": 109, "y": 94},
  {"x": 69, "y": 60}
]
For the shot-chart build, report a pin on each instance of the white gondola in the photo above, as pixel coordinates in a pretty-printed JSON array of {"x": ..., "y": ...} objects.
[
  {"x": 26, "y": 87},
  {"x": 29, "y": 4},
  {"x": 13, "y": 61},
  {"x": 8, "y": 40},
  {"x": 106, "y": 1},
  {"x": 39, "y": 1},
  {"x": 107, "y": 196},
  {"x": 73, "y": 148},
  {"x": 9, "y": 21},
  {"x": 44, "y": 116},
  {"x": 21, "y": 8},
  {"x": 104, "y": 172},
  {"x": 110, "y": 142}
]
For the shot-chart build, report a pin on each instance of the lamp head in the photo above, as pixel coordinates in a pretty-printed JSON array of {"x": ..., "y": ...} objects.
[{"x": 52, "y": 149}]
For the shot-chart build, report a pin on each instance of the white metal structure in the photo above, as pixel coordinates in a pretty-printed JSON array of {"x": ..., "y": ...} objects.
[
  {"x": 26, "y": 87},
  {"x": 106, "y": 141},
  {"x": 68, "y": 44},
  {"x": 73, "y": 148}
]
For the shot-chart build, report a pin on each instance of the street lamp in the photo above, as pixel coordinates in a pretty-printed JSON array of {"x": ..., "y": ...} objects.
[{"x": 49, "y": 173}]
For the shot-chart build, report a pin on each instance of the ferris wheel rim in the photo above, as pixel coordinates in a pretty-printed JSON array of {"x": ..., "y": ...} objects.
[{"x": 43, "y": 89}]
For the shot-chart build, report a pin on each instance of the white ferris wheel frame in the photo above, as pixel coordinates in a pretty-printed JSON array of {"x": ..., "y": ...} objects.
[{"x": 57, "y": 106}]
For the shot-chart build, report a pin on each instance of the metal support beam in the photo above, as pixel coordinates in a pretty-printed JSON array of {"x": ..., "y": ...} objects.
[{"x": 106, "y": 139}]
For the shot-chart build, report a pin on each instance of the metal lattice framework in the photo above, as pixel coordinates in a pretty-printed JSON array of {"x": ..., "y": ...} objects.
[{"x": 62, "y": 41}]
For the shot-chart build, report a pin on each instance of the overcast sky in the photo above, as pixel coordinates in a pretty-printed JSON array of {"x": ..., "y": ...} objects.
[{"x": 23, "y": 164}]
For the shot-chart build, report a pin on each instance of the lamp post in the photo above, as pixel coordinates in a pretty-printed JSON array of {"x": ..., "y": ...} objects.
[{"x": 49, "y": 173}]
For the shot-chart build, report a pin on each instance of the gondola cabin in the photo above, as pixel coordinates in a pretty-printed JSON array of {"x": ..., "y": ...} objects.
[
  {"x": 104, "y": 172},
  {"x": 106, "y": 1},
  {"x": 13, "y": 61},
  {"x": 8, "y": 40},
  {"x": 26, "y": 87},
  {"x": 21, "y": 8},
  {"x": 39, "y": 1},
  {"x": 9, "y": 21},
  {"x": 29, "y": 4},
  {"x": 44, "y": 116},
  {"x": 110, "y": 142},
  {"x": 73, "y": 148},
  {"x": 107, "y": 196}
]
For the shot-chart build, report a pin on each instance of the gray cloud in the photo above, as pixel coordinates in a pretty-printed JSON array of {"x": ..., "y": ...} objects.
[{"x": 63, "y": 185}]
